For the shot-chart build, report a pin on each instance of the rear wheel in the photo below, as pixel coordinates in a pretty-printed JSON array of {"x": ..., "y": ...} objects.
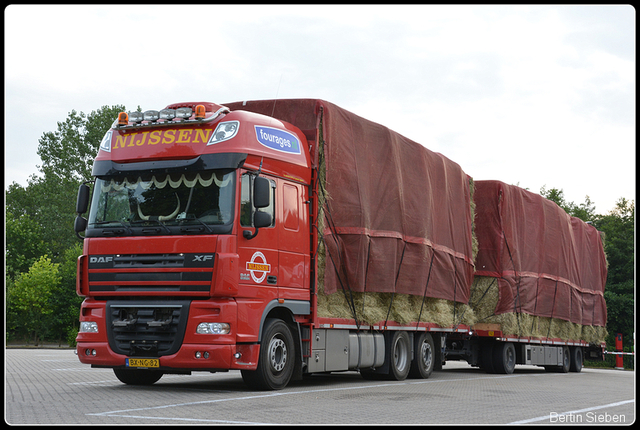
[
  {"x": 576, "y": 359},
  {"x": 276, "y": 360},
  {"x": 399, "y": 356},
  {"x": 138, "y": 376},
  {"x": 423, "y": 357},
  {"x": 504, "y": 357}
]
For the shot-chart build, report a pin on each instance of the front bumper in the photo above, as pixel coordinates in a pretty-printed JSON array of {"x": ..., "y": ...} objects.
[{"x": 220, "y": 357}]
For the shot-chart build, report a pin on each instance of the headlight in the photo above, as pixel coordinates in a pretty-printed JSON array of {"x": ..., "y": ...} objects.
[
  {"x": 224, "y": 131},
  {"x": 88, "y": 327},
  {"x": 213, "y": 328}
]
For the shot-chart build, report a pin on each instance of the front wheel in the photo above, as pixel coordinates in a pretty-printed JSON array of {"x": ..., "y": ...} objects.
[{"x": 276, "y": 360}]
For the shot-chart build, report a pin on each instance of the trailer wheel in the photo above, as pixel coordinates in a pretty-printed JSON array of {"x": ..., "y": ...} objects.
[
  {"x": 576, "y": 359},
  {"x": 504, "y": 357},
  {"x": 276, "y": 360},
  {"x": 138, "y": 376},
  {"x": 399, "y": 356},
  {"x": 423, "y": 357}
]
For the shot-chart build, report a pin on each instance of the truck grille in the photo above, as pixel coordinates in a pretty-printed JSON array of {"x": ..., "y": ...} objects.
[
  {"x": 149, "y": 330},
  {"x": 151, "y": 272}
]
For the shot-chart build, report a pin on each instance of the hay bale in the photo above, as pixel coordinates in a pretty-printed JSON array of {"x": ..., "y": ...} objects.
[
  {"x": 484, "y": 299},
  {"x": 375, "y": 308}
]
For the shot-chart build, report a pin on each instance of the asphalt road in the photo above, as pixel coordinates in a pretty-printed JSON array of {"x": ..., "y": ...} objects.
[{"x": 50, "y": 386}]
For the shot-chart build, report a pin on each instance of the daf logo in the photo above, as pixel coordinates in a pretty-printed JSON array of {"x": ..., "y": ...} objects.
[
  {"x": 203, "y": 257},
  {"x": 100, "y": 259}
]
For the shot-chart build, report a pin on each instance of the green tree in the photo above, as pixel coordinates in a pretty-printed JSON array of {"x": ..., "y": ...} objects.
[
  {"x": 28, "y": 299},
  {"x": 24, "y": 243},
  {"x": 40, "y": 296},
  {"x": 67, "y": 156},
  {"x": 69, "y": 151},
  {"x": 618, "y": 227},
  {"x": 64, "y": 302}
]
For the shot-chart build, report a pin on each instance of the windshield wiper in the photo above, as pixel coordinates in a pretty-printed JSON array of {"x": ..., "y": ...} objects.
[
  {"x": 152, "y": 220},
  {"x": 209, "y": 229},
  {"x": 101, "y": 223}
]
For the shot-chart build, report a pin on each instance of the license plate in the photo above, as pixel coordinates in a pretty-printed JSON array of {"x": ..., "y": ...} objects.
[{"x": 143, "y": 362}]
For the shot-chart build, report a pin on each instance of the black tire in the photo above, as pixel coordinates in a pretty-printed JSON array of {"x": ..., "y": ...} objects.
[
  {"x": 504, "y": 358},
  {"x": 576, "y": 359},
  {"x": 138, "y": 376},
  {"x": 276, "y": 360},
  {"x": 423, "y": 356},
  {"x": 399, "y": 356},
  {"x": 486, "y": 354}
]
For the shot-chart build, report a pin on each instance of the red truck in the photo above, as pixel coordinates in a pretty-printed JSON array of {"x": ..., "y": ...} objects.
[{"x": 216, "y": 233}]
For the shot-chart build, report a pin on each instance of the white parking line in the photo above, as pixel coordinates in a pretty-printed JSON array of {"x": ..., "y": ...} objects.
[{"x": 123, "y": 412}]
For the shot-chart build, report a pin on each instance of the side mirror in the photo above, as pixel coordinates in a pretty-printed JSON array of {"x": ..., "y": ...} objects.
[
  {"x": 261, "y": 193},
  {"x": 261, "y": 199},
  {"x": 80, "y": 224},
  {"x": 82, "y": 203},
  {"x": 261, "y": 219}
]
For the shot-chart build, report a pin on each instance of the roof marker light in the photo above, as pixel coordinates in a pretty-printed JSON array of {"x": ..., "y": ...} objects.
[
  {"x": 167, "y": 114},
  {"x": 200, "y": 111},
  {"x": 123, "y": 118},
  {"x": 184, "y": 113},
  {"x": 136, "y": 117},
  {"x": 151, "y": 115}
]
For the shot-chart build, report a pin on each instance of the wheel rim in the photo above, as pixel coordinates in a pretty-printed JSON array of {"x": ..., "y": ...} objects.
[
  {"x": 426, "y": 354},
  {"x": 511, "y": 357},
  {"x": 277, "y": 354},
  {"x": 400, "y": 354}
]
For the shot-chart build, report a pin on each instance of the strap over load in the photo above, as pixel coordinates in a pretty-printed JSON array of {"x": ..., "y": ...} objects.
[
  {"x": 547, "y": 263},
  {"x": 397, "y": 215}
]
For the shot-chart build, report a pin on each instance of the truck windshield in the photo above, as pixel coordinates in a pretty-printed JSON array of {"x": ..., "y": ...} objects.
[{"x": 179, "y": 203}]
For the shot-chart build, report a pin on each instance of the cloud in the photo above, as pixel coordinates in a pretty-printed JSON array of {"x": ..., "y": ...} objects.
[{"x": 524, "y": 94}]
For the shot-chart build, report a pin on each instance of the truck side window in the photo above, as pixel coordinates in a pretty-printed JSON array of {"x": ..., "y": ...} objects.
[{"x": 246, "y": 205}]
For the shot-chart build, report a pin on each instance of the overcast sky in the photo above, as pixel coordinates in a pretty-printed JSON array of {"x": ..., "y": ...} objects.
[{"x": 530, "y": 95}]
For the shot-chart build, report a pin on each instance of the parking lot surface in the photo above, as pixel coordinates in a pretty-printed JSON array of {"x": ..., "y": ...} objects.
[{"x": 50, "y": 386}]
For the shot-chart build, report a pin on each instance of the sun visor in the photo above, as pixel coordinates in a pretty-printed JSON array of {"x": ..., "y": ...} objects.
[{"x": 229, "y": 161}]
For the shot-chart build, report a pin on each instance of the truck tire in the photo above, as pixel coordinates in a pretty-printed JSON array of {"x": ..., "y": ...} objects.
[
  {"x": 504, "y": 358},
  {"x": 276, "y": 360},
  {"x": 576, "y": 359},
  {"x": 138, "y": 376},
  {"x": 423, "y": 356},
  {"x": 399, "y": 356}
]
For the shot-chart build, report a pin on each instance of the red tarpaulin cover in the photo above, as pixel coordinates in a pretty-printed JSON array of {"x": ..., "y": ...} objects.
[
  {"x": 548, "y": 263},
  {"x": 393, "y": 205}
]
